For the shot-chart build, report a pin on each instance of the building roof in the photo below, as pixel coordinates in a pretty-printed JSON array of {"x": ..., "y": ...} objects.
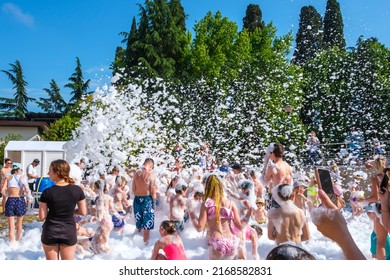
[{"x": 19, "y": 123}]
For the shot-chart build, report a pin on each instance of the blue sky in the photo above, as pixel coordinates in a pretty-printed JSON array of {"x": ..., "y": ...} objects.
[{"x": 46, "y": 36}]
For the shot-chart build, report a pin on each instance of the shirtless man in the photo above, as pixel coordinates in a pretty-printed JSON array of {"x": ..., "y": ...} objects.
[
  {"x": 278, "y": 171},
  {"x": 144, "y": 189},
  {"x": 286, "y": 223}
]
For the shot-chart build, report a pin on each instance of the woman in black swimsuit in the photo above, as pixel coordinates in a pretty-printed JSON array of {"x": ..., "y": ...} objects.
[{"x": 57, "y": 207}]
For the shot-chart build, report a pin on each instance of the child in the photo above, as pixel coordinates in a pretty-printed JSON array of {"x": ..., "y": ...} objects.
[
  {"x": 84, "y": 234},
  {"x": 170, "y": 243},
  {"x": 177, "y": 206},
  {"x": 300, "y": 200},
  {"x": 250, "y": 233},
  {"x": 104, "y": 208},
  {"x": 194, "y": 203},
  {"x": 260, "y": 214},
  {"x": 120, "y": 202},
  {"x": 247, "y": 196},
  {"x": 357, "y": 195}
]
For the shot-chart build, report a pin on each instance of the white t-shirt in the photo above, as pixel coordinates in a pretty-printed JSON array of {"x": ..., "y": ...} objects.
[{"x": 31, "y": 170}]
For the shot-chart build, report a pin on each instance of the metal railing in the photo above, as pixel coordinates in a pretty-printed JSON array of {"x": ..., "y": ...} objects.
[{"x": 345, "y": 154}]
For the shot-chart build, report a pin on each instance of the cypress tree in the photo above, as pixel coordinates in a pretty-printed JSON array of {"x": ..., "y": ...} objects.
[
  {"x": 309, "y": 35},
  {"x": 253, "y": 18},
  {"x": 333, "y": 26}
]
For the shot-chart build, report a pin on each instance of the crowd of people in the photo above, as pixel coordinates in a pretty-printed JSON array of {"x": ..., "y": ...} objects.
[{"x": 233, "y": 204}]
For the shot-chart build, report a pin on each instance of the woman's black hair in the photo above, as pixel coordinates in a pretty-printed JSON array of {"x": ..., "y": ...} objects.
[{"x": 289, "y": 252}]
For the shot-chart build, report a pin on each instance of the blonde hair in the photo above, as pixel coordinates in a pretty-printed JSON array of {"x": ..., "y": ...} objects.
[
  {"x": 380, "y": 163},
  {"x": 214, "y": 190}
]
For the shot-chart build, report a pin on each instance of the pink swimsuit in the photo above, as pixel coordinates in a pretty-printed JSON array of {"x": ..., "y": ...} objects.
[
  {"x": 224, "y": 212},
  {"x": 224, "y": 246},
  {"x": 174, "y": 251}
]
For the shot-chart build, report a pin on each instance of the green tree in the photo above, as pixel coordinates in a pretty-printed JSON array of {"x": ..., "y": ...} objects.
[
  {"x": 333, "y": 26},
  {"x": 127, "y": 57},
  {"x": 62, "y": 129},
  {"x": 253, "y": 18},
  {"x": 161, "y": 40},
  {"x": 309, "y": 35},
  {"x": 327, "y": 95},
  {"x": 55, "y": 103},
  {"x": 77, "y": 84},
  {"x": 213, "y": 46},
  {"x": 369, "y": 77},
  {"x": 4, "y": 141},
  {"x": 119, "y": 61},
  {"x": 265, "y": 87},
  {"x": 16, "y": 106}
]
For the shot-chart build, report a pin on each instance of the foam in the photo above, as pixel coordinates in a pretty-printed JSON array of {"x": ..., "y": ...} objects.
[{"x": 317, "y": 213}]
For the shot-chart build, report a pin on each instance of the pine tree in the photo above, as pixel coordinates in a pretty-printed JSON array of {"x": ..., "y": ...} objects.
[
  {"x": 253, "y": 18},
  {"x": 129, "y": 58},
  {"x": 55, "y": 103},
  {"x": 333, "y": 26},
  {"x": 309, "y": 35},
  {"x": 16, "y": 106},
  {"x": 77, "y": 85},
  {"x": 119, "y": 60},
  {"x": 159, "y": 44}
]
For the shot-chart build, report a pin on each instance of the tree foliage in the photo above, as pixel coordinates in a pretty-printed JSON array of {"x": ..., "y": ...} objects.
[
  {"x": 333, "y": 26},
  {"x": 55, "y": 103},
  {"x": 77, "y": 84},
  {"x": 158, "y": 45},
  {"x": 4, "y": 141},
  {"x": 61, "y": 130},
  {"x": 253, "y": 18},
  {"x": 309, "y": 35},
  {"x": 17, "y": 106}
]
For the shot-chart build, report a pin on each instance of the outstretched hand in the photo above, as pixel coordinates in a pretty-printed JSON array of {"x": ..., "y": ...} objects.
[{"x": 331, "y": 223}]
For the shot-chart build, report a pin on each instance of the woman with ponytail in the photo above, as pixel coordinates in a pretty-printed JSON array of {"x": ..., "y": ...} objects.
[
  {"x": 57, "y": 208},
  {"x": 216, "y": 214}
]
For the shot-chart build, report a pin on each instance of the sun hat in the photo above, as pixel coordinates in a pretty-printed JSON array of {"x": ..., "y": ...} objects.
[
  {"x": 299, "y": 184},
  {"x": 260, "y": 200}
]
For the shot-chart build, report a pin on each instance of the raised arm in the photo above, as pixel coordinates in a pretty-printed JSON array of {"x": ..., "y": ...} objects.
[{"x": 331, "y": 223}]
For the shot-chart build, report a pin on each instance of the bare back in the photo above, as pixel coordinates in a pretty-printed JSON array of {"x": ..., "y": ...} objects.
[
  {"x": 285, "y": 225},
  {"x": 279, "y": 173},
  {"x": 143, "y": 183}
]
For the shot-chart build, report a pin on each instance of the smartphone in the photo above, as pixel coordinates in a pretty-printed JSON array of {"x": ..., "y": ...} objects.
[
  {"x": 384, "y": 183},
  {"x": 324, "y": 181}
]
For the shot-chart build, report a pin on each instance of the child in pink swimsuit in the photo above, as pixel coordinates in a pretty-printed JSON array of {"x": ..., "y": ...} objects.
[{"x": 170, "y": 243}]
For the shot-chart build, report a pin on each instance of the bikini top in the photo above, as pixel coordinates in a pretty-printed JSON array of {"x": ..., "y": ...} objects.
[
  {"x": 224, "y": 212},
  {"x": 14, "y": 183}
]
